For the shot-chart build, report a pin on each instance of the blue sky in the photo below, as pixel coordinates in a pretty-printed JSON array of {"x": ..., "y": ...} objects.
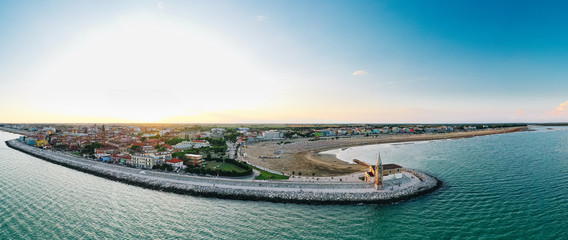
[{"x": 284, "y": 61}]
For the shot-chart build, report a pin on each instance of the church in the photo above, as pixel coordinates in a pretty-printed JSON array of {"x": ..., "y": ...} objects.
[{"x": 388, "y": 171}]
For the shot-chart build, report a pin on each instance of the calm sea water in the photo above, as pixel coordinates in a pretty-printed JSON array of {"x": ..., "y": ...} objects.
[{"x": 511, "y": 186}]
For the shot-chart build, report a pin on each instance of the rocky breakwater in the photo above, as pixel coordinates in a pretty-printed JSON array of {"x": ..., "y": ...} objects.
[{"x": 257, "y": 190}]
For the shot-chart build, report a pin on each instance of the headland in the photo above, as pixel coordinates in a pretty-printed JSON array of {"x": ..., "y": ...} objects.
[{"x": 412, "y": 184}]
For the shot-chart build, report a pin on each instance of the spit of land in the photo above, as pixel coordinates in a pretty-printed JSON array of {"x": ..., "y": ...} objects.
[{"x": 303, "y": 156}]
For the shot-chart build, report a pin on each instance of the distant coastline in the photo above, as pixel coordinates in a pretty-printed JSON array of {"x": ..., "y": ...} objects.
[
  {"x": 418, "y": 139},
  {"x": 305, "y": 156},
  {"x": 14, "y": 131},
  {"x": 273, "y": 191}
]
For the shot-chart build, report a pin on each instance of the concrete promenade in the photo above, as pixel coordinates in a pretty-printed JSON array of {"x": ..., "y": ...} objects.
[{"x": 412, "y": 185}]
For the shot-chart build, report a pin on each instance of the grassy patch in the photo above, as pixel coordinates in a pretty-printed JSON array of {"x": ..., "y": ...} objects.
[
  {"x": 264, "y": 175},
  {"x": 223, "y": 167}
]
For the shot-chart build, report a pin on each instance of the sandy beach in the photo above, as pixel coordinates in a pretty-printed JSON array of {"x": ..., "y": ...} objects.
[{"x": 303, "y": 156}]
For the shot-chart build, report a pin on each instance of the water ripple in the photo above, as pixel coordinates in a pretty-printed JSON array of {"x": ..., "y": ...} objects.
[{"x": 496, "y": 187}]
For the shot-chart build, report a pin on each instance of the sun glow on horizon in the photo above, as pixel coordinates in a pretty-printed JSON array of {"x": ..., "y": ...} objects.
[
  {"x": 145, "y": 69},
  {"x": 280, "y": 61}
]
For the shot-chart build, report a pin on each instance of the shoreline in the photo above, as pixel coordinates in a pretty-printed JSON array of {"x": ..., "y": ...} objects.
[
  {"x": 434, "y": 137},
  {"x": 271, "y": 191},
  {"x": 305, "y": 156},
  {"x": 13, "y": 131}
]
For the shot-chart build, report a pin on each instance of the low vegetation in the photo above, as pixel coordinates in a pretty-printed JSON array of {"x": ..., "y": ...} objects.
[
  {"x": 264, "y": 175},
  {"x": 222, "y": 167}
]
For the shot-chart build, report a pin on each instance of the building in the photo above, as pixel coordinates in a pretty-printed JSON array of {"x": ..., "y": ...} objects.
[
  {"x": 105, "y": 157},
  {"x": 175, "y": 163},
  {"x": 122, "y": 158},
  {"x": 388, "y": 171},
  {"x": 41, "y": 143},
  {"x": 183, "y": 146},
  {"x": 194, "y": 159},
  {"x": 108, "y": 150},
  {"x": 218, "y": 132},
  {"x": 31, "y": 141},
  {"x": 162, "y": 157},
  {"x": 188, "y": 135},
  {"x": 392, "y": 171},
  {"x": 373, "y": 174},
  {"x": 149, "y": 149},
  {"x": 271, "y": 135},
  {"x": 200, "y": 143},
  {"x": 49, "y": 130},
  {"x": 143, "y": 161}
]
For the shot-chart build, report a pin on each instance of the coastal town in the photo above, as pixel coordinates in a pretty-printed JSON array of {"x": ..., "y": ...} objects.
[
  {"x": 255, "y": 162},
  {"x": 206, "y": 150}
]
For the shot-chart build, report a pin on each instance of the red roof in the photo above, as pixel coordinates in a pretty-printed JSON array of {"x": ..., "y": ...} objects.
[{"x": 174, "y": 160}]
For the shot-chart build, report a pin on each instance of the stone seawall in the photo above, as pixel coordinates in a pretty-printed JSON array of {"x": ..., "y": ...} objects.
[{"x": 273, "y": 191}]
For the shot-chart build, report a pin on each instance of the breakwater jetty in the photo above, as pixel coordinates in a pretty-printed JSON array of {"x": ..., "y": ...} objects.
[{"x": 417, "y": 183}]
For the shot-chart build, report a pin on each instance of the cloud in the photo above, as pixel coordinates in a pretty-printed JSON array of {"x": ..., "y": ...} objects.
[
  {"x": 359, "y": 73},
  {"x": 560, "y": 111},
  {"x": 563, "y": 107},
  {"x": 160, "y": 5},
  {"x": 260, "y": 18},
  {"x": 520, "y": 112}
]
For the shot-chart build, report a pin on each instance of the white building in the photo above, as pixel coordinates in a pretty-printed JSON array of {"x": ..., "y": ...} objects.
[
  {"x": 271, "y": 135},
  {"x": 149, "y": 149},
  {"x": 164, "y": 132},
  {"x": 183, "y": 145},
  {"x": 175, "y": 163},
  {"x": 200, "y": 143},
  {"x": 143, "y": 161},
  {"x": 162, "y": 157}
]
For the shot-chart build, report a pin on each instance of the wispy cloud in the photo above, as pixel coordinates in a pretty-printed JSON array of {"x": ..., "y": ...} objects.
[
  {"x": 360, "y": 73},
  {"x": 260, "y": 18},
  {"x": 520, "y": 112},
  {"x": 563, "y": 107},
  {"x": 560, "y": 111}
]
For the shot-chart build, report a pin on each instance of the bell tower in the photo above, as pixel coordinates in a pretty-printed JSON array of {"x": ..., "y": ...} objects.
[
  {"x": 379, "y": 174},
  {"x": 104, "y": 135}
]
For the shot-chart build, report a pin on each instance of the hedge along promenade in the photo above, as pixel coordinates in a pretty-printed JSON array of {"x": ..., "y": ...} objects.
[{"x": 274, "y": 191}]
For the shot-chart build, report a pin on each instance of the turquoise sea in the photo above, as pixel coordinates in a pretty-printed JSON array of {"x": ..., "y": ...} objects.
[{"x": 509, "y": 186}]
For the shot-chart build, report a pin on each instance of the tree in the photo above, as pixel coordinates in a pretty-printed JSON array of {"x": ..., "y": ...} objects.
[
  {"x": 178, "y": 155},
  {"x": 174, "y": 141},
  {"x": 63, "y": 147},
  {"x": 231, "y": 137},
  {"x": 143, "y": 139},
  {"x": 136, "y": 148},
  {"x": 289, "y": 134},
  {"x": 90, "y": 149}
]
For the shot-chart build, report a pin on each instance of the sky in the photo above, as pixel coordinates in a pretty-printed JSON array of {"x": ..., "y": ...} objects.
[{"x": 283, "y": 61}]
